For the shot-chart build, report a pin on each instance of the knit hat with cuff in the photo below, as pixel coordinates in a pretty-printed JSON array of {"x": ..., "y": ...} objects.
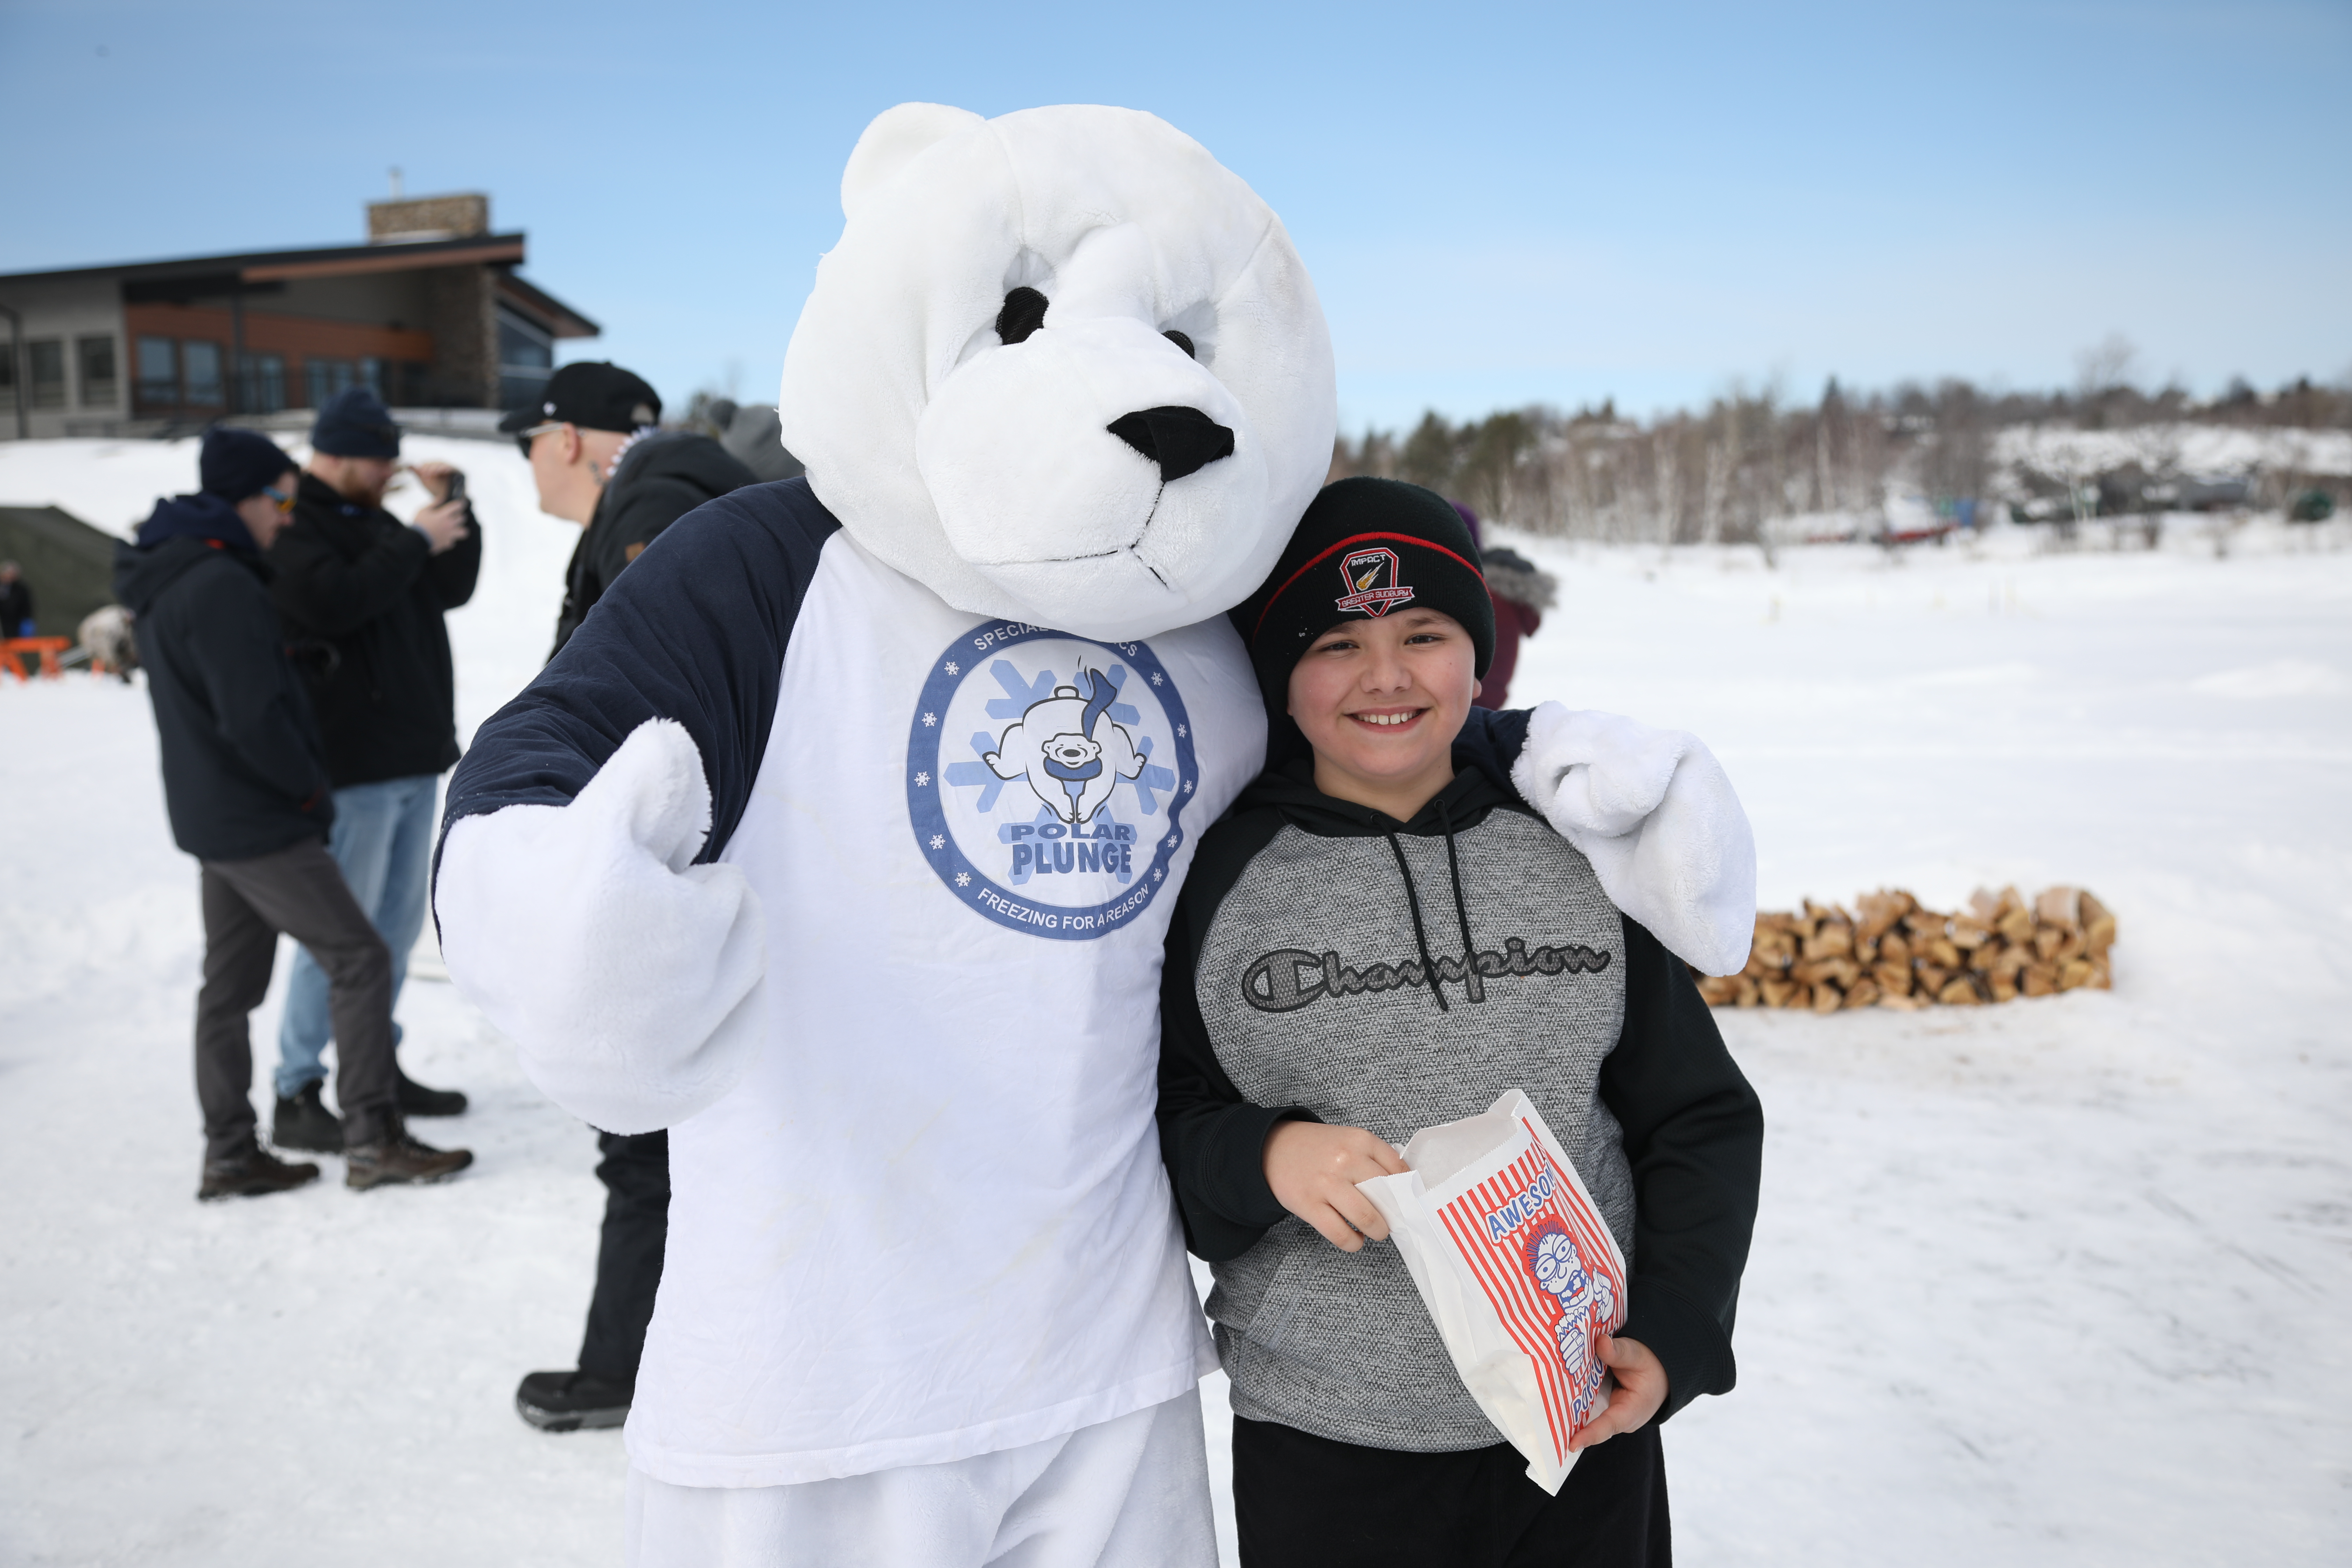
[
  {"x": 235, "y": 464},
  {"x": 1365, "y": 548}
]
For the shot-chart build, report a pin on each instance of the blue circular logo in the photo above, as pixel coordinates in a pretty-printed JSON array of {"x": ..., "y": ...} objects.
[{"x": 1046, "y": 774}]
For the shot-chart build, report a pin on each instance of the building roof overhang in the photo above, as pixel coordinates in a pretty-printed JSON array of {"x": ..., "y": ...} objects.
[{"x": 206, "y": 275}]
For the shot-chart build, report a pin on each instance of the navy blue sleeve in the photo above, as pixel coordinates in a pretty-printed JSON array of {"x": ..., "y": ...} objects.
[
  {"x": 695, "y": 630},
  {"x": 1492, "y": 742}
]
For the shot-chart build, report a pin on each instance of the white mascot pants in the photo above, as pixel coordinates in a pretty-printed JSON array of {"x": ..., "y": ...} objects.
[{"x": 1131, "y": 1492}]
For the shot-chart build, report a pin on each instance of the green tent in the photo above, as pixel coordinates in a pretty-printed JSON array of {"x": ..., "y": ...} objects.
[{"x": 68, "y": 565}]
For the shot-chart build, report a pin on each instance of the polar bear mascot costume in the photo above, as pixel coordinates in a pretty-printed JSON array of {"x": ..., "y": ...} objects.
[{"x": 841, "y": 840}]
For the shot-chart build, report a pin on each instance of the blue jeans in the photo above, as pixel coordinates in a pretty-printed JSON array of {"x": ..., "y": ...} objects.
[{"x": 382, "y": 839}]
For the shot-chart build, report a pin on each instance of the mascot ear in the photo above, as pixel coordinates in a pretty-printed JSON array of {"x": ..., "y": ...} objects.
[{"x": 893, "y": 139}]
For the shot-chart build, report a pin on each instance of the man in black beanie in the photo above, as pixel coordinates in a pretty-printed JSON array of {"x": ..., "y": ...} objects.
[
  {"x": 245, "y": 784},
  {"x": 362, "y": 595}
]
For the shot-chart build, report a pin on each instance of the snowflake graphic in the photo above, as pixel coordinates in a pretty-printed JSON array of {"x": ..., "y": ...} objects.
[
  {"x": 1171, "y": 841},
  {"x": 1187, "y": 786},
  {"x": 1157, "y": 873},
  {"x": 963, "y": 878},
  {"x": 929, "y": 720},
  {"x": 951, "y": 667},
  {"x": 1158, "y": 678},
  {"x": 922, "y": 781},
  {"x": 1182, "y": 731},
  {"x": 938, "y": 841}
]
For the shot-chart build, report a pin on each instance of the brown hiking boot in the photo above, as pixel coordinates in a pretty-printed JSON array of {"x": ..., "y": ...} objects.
[
  {"x": 400, "y": 1158},
  {"x": 251, "y": 1174}
]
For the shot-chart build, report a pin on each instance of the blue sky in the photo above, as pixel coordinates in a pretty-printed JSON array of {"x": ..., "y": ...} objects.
[{"x": 1500, "y": 205}]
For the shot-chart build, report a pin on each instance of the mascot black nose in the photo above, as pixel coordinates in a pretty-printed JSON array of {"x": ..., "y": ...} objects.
[{"x": 1180, "y": 440}]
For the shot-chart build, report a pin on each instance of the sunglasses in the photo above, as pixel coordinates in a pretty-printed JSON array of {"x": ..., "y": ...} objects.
[
  {"x": 284, "y": 498},
  {"x": 523, "y": 438}
]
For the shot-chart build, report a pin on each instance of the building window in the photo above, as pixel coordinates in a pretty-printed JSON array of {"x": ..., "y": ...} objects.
[
  {"x": 48, "y": 365},
  {"x": 202, "y": 362},
  {"x": 261, "y": 389},
  {"x": 97, "y": 357},
  {"x": 159, "y": 371},
  {"x": 526, "y": 358},
  {"x": 328, "y": 379},
  {"x": 8, "y": 375}
]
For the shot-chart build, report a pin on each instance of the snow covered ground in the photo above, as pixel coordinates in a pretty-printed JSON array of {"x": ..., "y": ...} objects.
[{"x": 2059, "y": 1282}]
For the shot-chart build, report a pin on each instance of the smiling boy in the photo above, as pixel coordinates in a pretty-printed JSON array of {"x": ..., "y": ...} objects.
[{"x": 1378, "y": 938}]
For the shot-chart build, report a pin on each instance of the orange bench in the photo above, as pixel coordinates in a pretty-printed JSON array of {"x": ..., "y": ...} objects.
[{"x": 16, "y": 648}]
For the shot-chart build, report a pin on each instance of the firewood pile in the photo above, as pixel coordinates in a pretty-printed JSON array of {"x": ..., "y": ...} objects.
[{"x": 1895, "y": 952}]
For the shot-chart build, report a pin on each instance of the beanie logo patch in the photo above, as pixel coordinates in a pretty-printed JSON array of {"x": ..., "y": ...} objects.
[{"x": 1372, "y": 582}]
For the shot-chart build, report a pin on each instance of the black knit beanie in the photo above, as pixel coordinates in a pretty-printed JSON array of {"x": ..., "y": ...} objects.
[
  {"x": 1365, "y": 547},
  {"x": 356, "y": 424},
  {"x": 235, "y": 464}
]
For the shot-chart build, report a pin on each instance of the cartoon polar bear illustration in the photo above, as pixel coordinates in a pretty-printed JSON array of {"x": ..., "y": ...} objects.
[
  {"x": 1063, "y": 382},
  {"x": 1070, "y": 751}
]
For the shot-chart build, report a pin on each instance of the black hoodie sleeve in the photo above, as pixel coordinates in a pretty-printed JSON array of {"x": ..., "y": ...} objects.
[
  {"x": 1694, "y": 1137},
  {"x": 323, "y": 594},
  {"x": 1211, "y": 1140},
  {"x": 456, "y": 570}
]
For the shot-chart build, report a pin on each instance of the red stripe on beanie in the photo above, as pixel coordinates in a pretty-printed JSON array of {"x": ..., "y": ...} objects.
[{"x": 1414, "y": 539}]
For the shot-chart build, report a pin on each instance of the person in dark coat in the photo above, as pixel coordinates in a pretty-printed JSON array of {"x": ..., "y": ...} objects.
[
  {"x": 15, "y": 602},
  {"x": 246, "y": 787},
  {"x": 600, "y": 459},
  {"x": 362, "y": 595},
  {"x": 1521, "y": 591}
]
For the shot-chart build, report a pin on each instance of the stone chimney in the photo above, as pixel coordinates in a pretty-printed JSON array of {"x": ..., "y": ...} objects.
[{"x": 428, "y": 218}]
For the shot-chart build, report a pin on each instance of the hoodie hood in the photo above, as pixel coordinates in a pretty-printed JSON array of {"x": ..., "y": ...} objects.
[
  {"x": 197, "y": 517},
  {"x": 676, "y": 454},
  {"x": 183, "y": 531}
]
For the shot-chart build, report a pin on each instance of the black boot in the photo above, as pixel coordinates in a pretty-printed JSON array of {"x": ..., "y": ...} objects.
[
  {"x": 567, "y": 1401},
  {"x": 252, "y": 1174},
  {"x": 397, "y": 1157},
  {"x": 415, "y": 1099},
  {"x": 303, "y": 1122}
]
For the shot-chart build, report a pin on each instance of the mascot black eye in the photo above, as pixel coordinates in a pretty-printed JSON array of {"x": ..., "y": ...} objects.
[
  {"x": 1024, "y": 313},
  {"x": 1182, "y": 341}
]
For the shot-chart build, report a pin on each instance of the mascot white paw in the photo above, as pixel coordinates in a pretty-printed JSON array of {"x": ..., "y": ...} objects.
[
  {"x": 627, "y": 977},
  {"x": 1655, "y": 812}
]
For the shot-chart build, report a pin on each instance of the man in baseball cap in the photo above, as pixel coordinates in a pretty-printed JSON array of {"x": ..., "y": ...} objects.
[{"x": 600, "y": 461}]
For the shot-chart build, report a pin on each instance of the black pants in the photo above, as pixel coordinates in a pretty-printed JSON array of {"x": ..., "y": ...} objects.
[
  {"x": 635, "y": 1174},
  {"x": 1302, "y": 1499},
  {"x": 298, "y": 890}
]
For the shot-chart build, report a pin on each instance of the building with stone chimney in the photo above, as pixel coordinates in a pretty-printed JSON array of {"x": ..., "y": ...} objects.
[{"x": 430, "y": 311}]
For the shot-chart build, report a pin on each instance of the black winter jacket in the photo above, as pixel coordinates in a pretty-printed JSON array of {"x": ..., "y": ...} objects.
[
  {"x": 362, "y": 595},
  {"x": 661, "y": 478},
  {"x": 243, "y": 773}
]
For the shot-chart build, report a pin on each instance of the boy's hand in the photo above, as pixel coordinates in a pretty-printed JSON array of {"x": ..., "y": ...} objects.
[
  {"x": 1641, "y": 1389},
  {"x": 1314, "y": 1169}
]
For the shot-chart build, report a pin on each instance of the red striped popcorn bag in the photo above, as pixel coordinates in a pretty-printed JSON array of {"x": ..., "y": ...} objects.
[{"x": 1517, "y": 1268}]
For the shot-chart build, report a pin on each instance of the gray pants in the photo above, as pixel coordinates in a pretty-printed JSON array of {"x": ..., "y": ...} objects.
[{"x": 298, "y": 891}]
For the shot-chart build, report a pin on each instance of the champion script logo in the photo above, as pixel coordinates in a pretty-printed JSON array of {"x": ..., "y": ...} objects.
[{"x": 1290, "y": 978}]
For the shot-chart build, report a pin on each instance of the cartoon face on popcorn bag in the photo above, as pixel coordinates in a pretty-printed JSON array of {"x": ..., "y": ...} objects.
[
  {"x": 1062, "y": 368},
  {"x": 1587, "y": 1301}
]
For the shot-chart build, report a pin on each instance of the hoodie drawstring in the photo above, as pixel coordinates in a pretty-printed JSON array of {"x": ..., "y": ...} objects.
[
  {"x": 1461, "y": 914},
  {"x": 1420, "y": 937},
  {"x": 1470, "y": 980}
]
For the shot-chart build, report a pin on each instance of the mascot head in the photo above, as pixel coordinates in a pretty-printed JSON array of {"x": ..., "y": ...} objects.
[{"x": 1062, "y": 367}]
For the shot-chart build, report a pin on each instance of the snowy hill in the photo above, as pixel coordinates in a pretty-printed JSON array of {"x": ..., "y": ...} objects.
[{"x": 2056, "y": 1282}]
